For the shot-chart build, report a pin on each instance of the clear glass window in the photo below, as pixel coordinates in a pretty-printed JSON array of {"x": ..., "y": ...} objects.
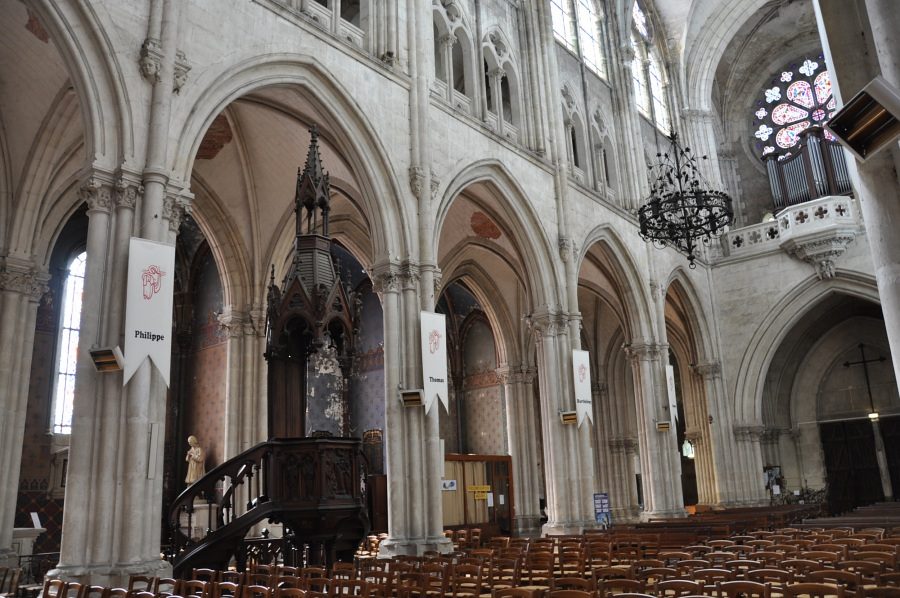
[
  {"x": 563, "y": 22},
  {"x": 64, "y": 392},
  {"x": 589, "y": 35}
]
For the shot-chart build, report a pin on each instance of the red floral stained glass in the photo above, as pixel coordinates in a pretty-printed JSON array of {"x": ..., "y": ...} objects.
[{"x": 796, "y": 96}]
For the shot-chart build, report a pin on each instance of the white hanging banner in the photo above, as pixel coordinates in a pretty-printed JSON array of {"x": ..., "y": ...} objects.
[
  {"x": 670, "y": 389},
  {"x": 434, "y": 359},
  {"x": 148, "y": 306},
  {"x": 581, "y": 370}
]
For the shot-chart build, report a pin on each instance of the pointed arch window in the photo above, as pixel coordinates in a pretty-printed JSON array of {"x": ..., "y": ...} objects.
[
  {"x": 67, "y": 351},
  {"x": 648, "y": 71}
]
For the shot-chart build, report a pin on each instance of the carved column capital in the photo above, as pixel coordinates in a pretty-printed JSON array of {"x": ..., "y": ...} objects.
[
  {"x": 96, "y": 194},
  {"x": 21, "y": 277},
  {"x": 566, "y": 248},
  {"x": 546, "y": 323},
  {"x": 386, "y": 279},
  {"x": 127, "y": 192},
  {"x": 409, "y": 276},
  {"x": 639, "y": 351},
  {"x": 233, "y": 322},
  {"x": 448, "y": 39},
  {"x": 175, "y": 207},
  {"x": 709, "y": 370}
]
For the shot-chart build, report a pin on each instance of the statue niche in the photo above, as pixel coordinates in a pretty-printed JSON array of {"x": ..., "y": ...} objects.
[{"x": 311, "y": 322}]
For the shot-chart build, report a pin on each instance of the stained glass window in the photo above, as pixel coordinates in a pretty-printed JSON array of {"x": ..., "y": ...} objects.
[
  {"x": 797, "y": 97},
  {"x": 589, "y": 35},
  {"x": 70, "y": 322}
]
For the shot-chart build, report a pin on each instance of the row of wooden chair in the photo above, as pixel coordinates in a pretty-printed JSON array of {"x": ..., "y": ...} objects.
[{"x": 9, "y": 581}]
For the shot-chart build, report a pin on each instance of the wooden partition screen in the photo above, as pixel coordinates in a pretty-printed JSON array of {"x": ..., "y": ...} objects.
[{"x": 478, "y": 492}]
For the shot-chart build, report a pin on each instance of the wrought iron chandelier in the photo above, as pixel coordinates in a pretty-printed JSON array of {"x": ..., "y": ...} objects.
[{"x": 682, "y": 211}]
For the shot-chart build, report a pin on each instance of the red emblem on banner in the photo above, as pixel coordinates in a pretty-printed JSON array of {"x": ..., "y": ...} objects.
[
  {"x": 582, "y": 372},
  {"x": 434, "y": 341},
  {"x": 151, "y": 280}
]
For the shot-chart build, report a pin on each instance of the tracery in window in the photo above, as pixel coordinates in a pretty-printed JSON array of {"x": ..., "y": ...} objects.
[
  {"x": 797, "y": 97},
  {"x": 64, "y": 392}
]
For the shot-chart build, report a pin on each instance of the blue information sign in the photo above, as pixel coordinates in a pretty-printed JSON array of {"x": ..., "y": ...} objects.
[{"x": 602, "y": 514}]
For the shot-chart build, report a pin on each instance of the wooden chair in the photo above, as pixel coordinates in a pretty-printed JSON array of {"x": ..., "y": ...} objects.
[
  {"x": 671, "y": 558},
  {"x": 814, "y": 590},
  {"x": 709, "y": 577},
  {"x": 224, "y": 589},
  {"x": 537, "y": 570},
  {"x": 570, "y": 562},
  {"x": 95, "y": 592},
  {"x": 290, "y": 593},
  {"x": 138, "y": 583},
  {"x": 116, "y": 593},
  {"x": 877, "y": 592},
  {"x": 316, "y": 587},
  {"x": 349, "y": 587},
  {"x": 73, "y": 590},
  {"x": 145, "y": 595},
  {"x": 684, "y": 568},
  {"x": 504, "y": 573},
  {"x": 741, "y": 566},
  {"x": 742, "y": 589},
  {"x": 9, "y": 586},
  {"x": 652, "y": 576},
  {"x": 718, "y": 558},
  {"x": 888, "y": 559},
  {"x": 210, "y": 575},
  {"x": 311, "y": 572},
  {"x": 776, "y": 578},
  {"x": 573, "y": 583},
  {"x": 616, "y": 572},
  {"x": 466, "y": 581},
  {"x": 570, "y": 594},
  {"x": 800, "y": 567},
  {"x": 821, "y": 556},
  {"x": 287, "y": 581},
  {"x": 288, "y": 570},
  {"x": 889, "y": 579},
  {"x": 195, "y": 588},
  {"x": 259, "y": 578},
  {"x": 166, "y": 586},
  {"x": 257, "y": 592},
  {"x": 851, "y": 581},
  {"x": 511, "y": 593},
  {"x": 634, "y": 595},
  {"x": 698, "y": 550},
  {"x": 609, "y": 587},
  {"x": 343, "y": 571},
  {"x": 678, "y": 587},
  {"x": 720, "y": 543},
  {"x": 232, "y": 576},
  {"x": 410, "y": 585},
  {"x": 381, "y": 584}
]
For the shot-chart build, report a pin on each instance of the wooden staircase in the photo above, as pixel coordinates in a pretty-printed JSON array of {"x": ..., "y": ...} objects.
[{"x": 311, "y": 485}]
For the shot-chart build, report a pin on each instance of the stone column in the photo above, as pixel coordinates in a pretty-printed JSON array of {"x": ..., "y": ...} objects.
[
  {"x": 21, "y": 287},
  {"x": 719, "y": 420},
  {"x": 412, "y": 438},
  {"x": 521, "y": 435},
  {"x": 111, "y": 523},
  {"x": 568, "y": 468},
  {"x": 245, "y": 395},
  {"x": 700, "y": 136},
  {"x": 447, "y": 40},
  {"x": 494, "y": 78},
  {"x": 860, "y": 42},
  {"x": 660, "y": 473},
  {"x": 633, "y": 178}
]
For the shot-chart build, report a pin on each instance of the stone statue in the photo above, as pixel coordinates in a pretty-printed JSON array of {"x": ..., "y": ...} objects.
[{"x": 196, "y": 460}]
